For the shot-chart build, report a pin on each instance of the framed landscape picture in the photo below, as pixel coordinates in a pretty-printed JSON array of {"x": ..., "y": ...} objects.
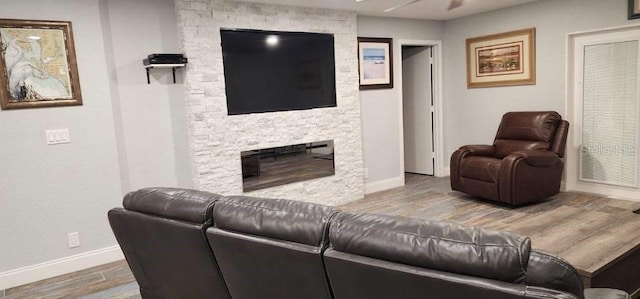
[
  {"x": 503, "y": 59},
  {"x": 375, "y": 57},
  {"x": 37, "y": 65},
  {"x": 634, "y": 9}
]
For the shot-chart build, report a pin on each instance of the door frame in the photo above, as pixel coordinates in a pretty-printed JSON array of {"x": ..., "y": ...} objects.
[
  {"x": 573, "y": 110},
  {"x": 436, "y": 48}
]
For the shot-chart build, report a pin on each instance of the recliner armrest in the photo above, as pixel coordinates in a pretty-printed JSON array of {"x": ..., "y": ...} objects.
[
  {"x": 537, "y": 157},
  {"x": 478, "y": 150}
]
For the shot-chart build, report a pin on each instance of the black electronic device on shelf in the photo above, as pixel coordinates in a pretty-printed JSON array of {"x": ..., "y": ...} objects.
[
  {"x": 165, "y": 59},
  {"x": 172, "y": 61}
]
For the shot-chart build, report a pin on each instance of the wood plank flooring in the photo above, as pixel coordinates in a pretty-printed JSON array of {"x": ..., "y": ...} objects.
[
  {"x": 599, "y": 236},
  {"x": 592, "y": 233},
  {"x": 90, "y": 283}
]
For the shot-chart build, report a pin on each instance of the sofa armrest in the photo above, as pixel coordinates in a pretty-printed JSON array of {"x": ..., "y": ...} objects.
[
  {"x": 537, "y": 158},
  {"x": 461, "y": 153},
  {"x": 478, "y": 150}
]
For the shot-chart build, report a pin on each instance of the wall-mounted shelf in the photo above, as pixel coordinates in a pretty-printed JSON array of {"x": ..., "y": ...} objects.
[{"x": 173, "y": 67}]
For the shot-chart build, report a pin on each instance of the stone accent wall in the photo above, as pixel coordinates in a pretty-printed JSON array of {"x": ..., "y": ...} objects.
[{"x": 217, "y": 139}]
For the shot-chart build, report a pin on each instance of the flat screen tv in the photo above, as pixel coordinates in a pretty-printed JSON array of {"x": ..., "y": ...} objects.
[{"x": 268, "y": 71}]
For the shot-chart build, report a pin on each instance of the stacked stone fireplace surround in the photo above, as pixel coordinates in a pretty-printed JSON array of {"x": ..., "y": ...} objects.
[{"x": 216, "y": 139}]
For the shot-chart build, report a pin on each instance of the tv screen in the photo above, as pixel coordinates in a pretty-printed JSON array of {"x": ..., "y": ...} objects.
[{"x": 268, "y": 71}]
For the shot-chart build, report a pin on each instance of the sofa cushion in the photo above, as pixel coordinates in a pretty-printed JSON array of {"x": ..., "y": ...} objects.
[
  {"x": 435, "y": 245},
  {"x": 178, "y": 204},
  {"x": 281, "y": 219},
  {"x": 480, "y": 168}
]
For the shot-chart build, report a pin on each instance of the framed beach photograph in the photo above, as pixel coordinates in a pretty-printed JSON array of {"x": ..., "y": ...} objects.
[
  {"x": 503, "y": 59},
  {"x": 375, "y": 57},
  {"x": 634, "y": 9},
  {"x": 37, "y": 65}
]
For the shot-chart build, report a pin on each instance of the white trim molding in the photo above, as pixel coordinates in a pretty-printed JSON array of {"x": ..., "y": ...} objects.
[
  {"x": 438, "y": 132},
  {"x": 444, "y": 172},
  {"x": 29, "y": 274},
  {"x": 385, "y": 184}
]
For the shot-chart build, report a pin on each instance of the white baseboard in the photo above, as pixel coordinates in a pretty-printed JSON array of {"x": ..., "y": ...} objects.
[
  {"x": 29, "y": 274},
  {"x": 444, "y": 172},
  {"x": 383, "y": 185}
]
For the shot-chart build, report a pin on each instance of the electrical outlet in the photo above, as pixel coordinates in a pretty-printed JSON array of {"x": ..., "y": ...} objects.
[
  {"x": 74, "y": 239},
  {"x": 57, "y": 136}
]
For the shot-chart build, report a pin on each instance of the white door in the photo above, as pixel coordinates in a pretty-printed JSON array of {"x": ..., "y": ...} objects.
[
  {"x": 417, "y": 105},
  {"x": 602, "y": 153}
]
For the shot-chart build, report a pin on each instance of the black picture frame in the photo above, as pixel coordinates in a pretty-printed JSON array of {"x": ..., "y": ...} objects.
[
  {"x": 634, "y": 9},
  {"x": 382, "y": 68}
]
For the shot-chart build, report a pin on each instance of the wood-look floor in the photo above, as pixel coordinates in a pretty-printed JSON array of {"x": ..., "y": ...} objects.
[
  {"x": 589, "y": 231},
  {"x": 89, "y": 283}
]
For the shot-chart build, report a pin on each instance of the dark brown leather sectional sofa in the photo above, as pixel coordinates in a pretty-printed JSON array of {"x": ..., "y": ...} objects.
[{"x": 191, "y": 244}]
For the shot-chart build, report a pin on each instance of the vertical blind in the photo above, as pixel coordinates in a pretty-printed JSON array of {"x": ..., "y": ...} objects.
[{"x": 609, "y": 120}]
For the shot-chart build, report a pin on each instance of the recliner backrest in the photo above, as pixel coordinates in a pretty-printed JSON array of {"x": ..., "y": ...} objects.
[
  {"x": 162, "y": 234},
  {"x": 271, "y": 248},
  {"x": 531, "y": 130},
  {"x": 378, "y": 255}
]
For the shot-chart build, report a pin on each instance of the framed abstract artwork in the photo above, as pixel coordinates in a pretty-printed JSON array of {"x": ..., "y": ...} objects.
[
  {"x": 502, "y": 59},
  {"x": 375, "y": 57},
  {"x": 37, "y": 65}
]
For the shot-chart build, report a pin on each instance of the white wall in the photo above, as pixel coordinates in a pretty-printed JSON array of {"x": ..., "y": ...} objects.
[
  {"x": 153, "y": 117},
  {"x": 472, "y": 115},
  {"x": 380, "y": 108},
  {"x": 127, "y": 135},
  {"x": 49, "y": 191}
]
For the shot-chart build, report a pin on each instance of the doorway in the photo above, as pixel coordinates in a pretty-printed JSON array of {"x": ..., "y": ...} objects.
[
  {"x": 418, "y": 109},
  {"x": 604, "y": 106}
]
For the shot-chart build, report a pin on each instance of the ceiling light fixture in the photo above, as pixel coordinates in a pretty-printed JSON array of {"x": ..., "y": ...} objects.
[{"x": 400, "y": 6}]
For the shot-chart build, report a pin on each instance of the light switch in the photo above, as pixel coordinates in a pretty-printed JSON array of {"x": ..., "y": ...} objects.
[{"x": 57, "y": 136}]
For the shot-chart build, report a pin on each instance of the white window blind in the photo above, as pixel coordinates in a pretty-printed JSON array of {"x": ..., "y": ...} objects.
[{"x": 609, "y": 120}]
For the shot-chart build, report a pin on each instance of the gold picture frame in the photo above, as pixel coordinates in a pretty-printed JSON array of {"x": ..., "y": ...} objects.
[
  {"x": 38, "y": 65},
  {"x": 503, "y": 59}
]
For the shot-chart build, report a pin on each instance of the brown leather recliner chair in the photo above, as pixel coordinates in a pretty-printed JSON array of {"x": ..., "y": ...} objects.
[{"x": 523, "y": 165}]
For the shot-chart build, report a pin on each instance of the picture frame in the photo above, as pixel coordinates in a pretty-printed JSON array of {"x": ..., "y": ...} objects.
[
  {"x": 634, "y": 9},
  {"x": 38, "y": 66},
  {"x": 375, "y": 62},
  {"x": 503, "y": 59}
]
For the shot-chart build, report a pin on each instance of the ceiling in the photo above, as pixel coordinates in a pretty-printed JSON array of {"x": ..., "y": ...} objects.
[{"x": 425, "y": 9}]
